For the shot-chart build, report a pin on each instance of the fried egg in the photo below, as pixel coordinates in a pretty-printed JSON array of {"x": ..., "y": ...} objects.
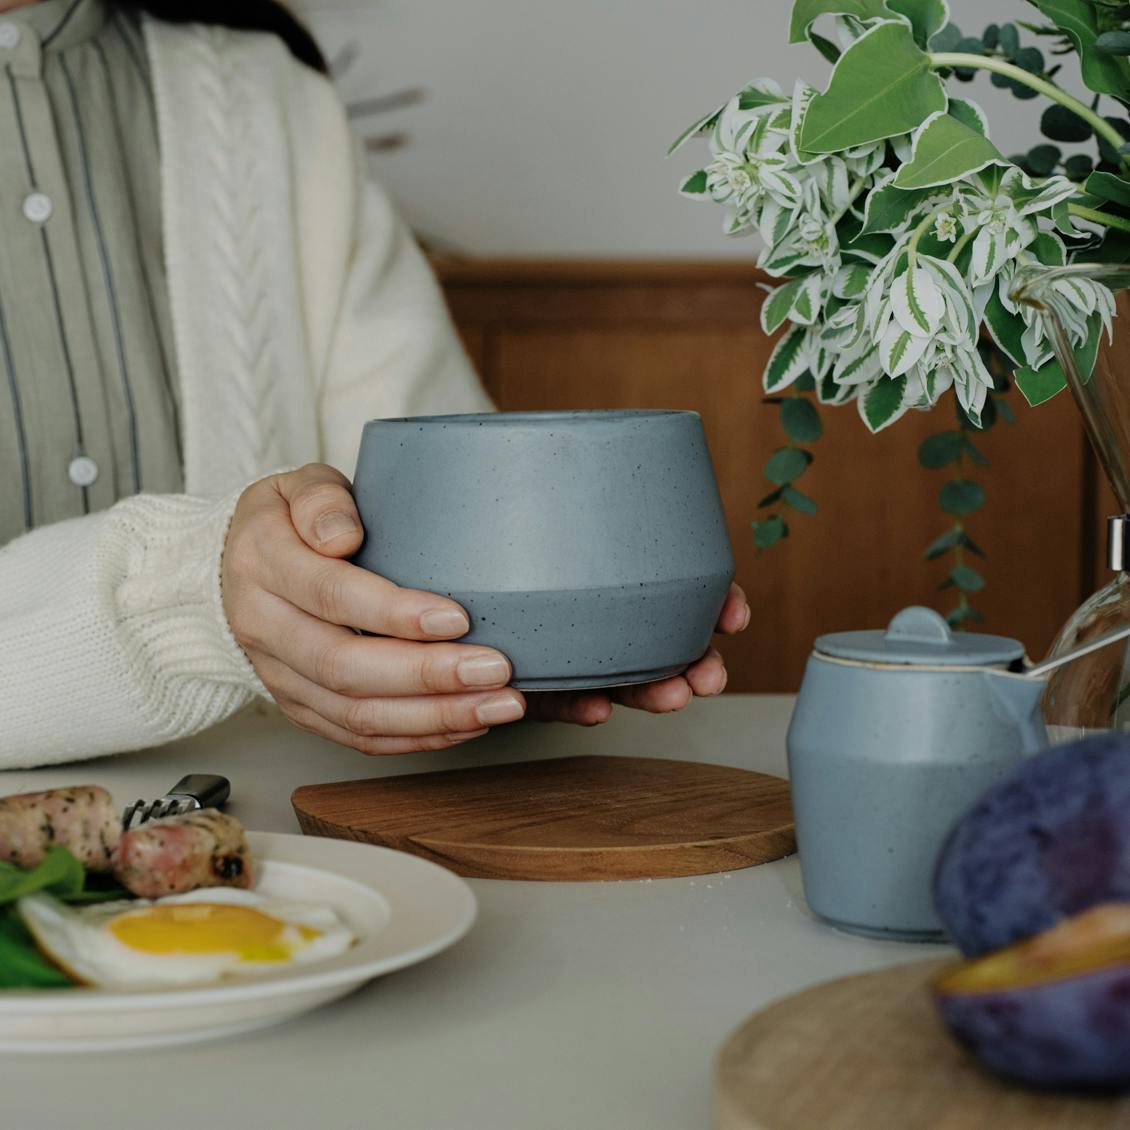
[{"x": 192, "y": 939}]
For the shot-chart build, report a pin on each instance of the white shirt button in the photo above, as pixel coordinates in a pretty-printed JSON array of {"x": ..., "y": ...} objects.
[
  {"x": 9, "y": 36},
  {"x": 82, "y": 471},
  {"x": 38, "y": 207}
]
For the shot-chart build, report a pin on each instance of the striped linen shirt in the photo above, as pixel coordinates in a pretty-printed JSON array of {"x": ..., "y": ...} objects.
[{"x": 88, "y": 389}]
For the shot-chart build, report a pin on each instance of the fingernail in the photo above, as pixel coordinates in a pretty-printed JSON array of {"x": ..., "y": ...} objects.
[
  {"x": 483, "y": 671},
  {"x": 499, "y": 709},
  {"x": 468, "y": 735},
  {"x": 445, "y": 622},
  {"x": 748, "y": 617},
  {"x": 334, "y": 525},
  {"x": 724, "y": 680}
]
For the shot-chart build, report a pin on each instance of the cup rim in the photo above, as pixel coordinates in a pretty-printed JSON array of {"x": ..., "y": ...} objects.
[{"x": 573, "y": 416}]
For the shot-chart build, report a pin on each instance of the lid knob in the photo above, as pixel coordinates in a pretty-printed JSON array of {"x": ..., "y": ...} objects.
[{"x": 919, "y": 624}]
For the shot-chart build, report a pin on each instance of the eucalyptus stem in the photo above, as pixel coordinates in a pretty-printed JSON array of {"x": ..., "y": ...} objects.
[
  {"x": 1099, "y": 124},
  {"x": 1095, "y": 217}
]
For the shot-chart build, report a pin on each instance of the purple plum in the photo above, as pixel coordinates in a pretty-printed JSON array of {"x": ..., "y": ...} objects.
[
  {"x": 1050, "y": 840},
  {"x": 1053, "y": 1011}
]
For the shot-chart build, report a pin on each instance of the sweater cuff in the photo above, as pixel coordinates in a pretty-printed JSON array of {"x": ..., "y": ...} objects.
[{"x": 170, "y": 602}]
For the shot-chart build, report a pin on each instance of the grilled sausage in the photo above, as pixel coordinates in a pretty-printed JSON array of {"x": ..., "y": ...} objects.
[
  {"x": 205, "y": 848},
  {"x": 83, "y": 820}
]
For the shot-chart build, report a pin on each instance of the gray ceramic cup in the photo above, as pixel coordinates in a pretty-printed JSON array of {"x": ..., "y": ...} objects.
[{"x": 588, "y": 547}]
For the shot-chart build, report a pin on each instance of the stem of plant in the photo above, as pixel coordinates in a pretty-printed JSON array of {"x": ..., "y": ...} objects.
[
  {"x": 1099, "y": 217},
  {"x": 943, "y": 59},
  {"x": 959, "y": 246},
  {"x": 920, "y": 230}
]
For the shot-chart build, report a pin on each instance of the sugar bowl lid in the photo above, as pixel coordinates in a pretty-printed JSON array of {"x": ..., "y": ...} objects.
[{"x": 919, "y": 635}]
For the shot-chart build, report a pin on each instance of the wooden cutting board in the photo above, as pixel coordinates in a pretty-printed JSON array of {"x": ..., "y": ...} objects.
[
  {"x": 569, "y": 818},
  {"x": 868, "y": 1053}
]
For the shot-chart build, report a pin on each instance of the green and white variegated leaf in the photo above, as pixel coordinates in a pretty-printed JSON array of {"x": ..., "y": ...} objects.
[
  {"x": 1006, "y": 329},
  {"x": 829, "y": 392},
  {"x": 807, "y": 12},
  {"x": 803, "y": 94},
  {"x": 1030, "y": 195},
  {"x": 703, "y": 125},
  {"x": 859, "y": 365},
  {"x": 882, "y": 86},
  {"x": 850, "y": 281},
  {"x": 1061, "y": 217},
  {"x": 787, "y": 361},
  {"x": 1049, "y": 249},
  {"x": 762, "y": 93},
  {"x": 969, "y": 113},
  {"x": 736, "y": 223},
  {"x": 927, "y": 17},
  {"x": 917, "y": 302},
  {"x": 695, "y": 186},
  {"x": 774, "y": 221},
  {"x": 960, "y": 322},
  {"x": 797, "y": 301},
  {"x": 807, "y": 305},
  {"x": 883, "y": 403},
  {"x": 899, "y": 350},
  {"x": 775, "y": 309},
  {"x": 1041, "y": 383},
  {"x": 835, "y": 185},
  {"x": 989, "y": 254},
  {"x": 945, "y": 150},
  {"x": 971, "y": 382},
  {"x": 891, "y": 209}
]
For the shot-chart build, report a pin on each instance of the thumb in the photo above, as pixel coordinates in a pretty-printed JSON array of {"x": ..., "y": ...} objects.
[{"x": 322, "y": 509}]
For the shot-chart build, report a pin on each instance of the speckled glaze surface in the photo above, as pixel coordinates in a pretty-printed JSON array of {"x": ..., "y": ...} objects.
[
  {"x": 589, "y": 547},
  {"x": 884, "y": 756}
]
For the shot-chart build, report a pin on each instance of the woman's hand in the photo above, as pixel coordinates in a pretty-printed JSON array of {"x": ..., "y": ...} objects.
[
  {"x": 703, "y": 679},
  {"x": 292, "y": 602}
]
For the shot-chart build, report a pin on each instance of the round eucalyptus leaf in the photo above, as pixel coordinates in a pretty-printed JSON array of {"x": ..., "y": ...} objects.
[
  {"x": 940, "y": 450},
  {"x": 801, "y": 420},
  {"x": 1078, "y": 166},
  {"x": 1008, "y": 39},
  {"x": 1030, "y": 59},
  {"x": 786, "y": 464},
  {"x": 1019, "y": 90},
  {"x": 769, "y": 531},
  {"x": 799, "y": 501},
  {"x": 1060, "y": 124},
  {"x": 1042, "y": 159},
  {"x": 967, "y": 579},
  {"x": 990, "y": 37},
  {"x": 960, "y": 497}
]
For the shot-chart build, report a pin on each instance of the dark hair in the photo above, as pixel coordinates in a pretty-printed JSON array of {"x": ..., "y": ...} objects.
[{"x": 244, "y": 15}]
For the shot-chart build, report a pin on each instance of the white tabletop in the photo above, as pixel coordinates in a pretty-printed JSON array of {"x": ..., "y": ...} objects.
[{"x": 595, "y": 1005}]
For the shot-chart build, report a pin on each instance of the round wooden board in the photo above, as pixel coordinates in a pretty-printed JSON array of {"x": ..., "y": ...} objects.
[
  {"x": 565, "y": 819},
  {"x": 868, "y": 1053}
]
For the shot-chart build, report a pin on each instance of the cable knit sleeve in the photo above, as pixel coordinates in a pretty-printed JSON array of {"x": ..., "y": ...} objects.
[
  {"x": 380, "y": 338},
  {"x": 112, "y": 631}
]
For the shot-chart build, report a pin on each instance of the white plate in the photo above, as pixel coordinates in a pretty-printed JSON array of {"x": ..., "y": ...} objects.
[{"x": 402, "y": 908}]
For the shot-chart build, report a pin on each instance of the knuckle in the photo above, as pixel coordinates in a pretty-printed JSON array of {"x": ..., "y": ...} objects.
[
  {"x": 364, "y": 717},
  {"x": 318, "y": 496},
  {"x": 327, "y": 590},
  {"x": 432, "y": 671},
  {"x": 331, "y": 668}
]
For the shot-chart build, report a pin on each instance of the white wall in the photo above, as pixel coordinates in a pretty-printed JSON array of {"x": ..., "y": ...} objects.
[{"x": 546, "y": 123}]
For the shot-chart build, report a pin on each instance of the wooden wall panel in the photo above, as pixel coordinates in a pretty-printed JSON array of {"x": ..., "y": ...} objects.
[{"x": 550, "y": 336}]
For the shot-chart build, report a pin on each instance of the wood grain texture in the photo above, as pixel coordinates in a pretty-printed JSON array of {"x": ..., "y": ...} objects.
[
  {"x": 565, "y": 819},
  {"x": 685, "y": 335},
  {"x": 868, "y": 1053}
]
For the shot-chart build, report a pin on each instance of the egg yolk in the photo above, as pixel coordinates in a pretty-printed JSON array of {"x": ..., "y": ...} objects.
[{"x": 210, "y": 928}]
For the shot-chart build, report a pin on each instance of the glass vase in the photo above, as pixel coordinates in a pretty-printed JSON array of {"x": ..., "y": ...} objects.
[{"x": 1093, "y": 693}]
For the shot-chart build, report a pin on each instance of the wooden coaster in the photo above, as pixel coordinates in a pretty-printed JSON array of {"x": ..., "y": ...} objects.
[
  {"x": 868, "y": 1053},
  {"x": 569, "y": 818}
]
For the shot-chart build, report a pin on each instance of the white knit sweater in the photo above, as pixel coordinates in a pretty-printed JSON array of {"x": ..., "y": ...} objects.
[{"x": 301, "y": 308}]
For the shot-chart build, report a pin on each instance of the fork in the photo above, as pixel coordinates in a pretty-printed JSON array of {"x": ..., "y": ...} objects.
[{"x": 197, "y": 790}]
